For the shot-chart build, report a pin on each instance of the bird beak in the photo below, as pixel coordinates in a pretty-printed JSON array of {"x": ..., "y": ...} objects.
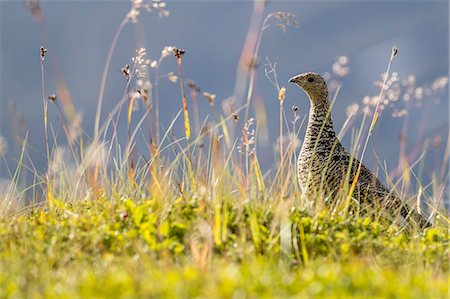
[{"x": 294, "y": 79}]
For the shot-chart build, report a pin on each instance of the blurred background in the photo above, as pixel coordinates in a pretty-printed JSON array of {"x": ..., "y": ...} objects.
[{"x": 348, "y": 41}]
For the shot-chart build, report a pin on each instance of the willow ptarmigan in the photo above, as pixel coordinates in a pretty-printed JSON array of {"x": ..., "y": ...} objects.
[{"x": 324, "y": 166}]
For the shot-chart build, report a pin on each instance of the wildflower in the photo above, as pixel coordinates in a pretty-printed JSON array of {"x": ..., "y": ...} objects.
[
  {"x": 160, "y": 6},
  {"x": 133, "y": 14},
  {"x": 411, "y": 79},
  {"x": 248, "y": 140},
  {"x": 151, "y": 63},
  {"x": 343, "y": 60},
  {"x": 248, "y": 124},
  {"x": 399, "y": 113},
  {"x": 164, "y": 13},
  {"x": 439, "y": 83},
  {"x": 134, "y": 11},
  {"x": 166, "y": 51},
  {"x": 211, "y": 98},
  {"x": 352, "y": 110},
  {"x": 393, "y": 94},
  {"x": 138, "y": 5},
  {"x": 139, "y": 58},
  {"x": 141, "y": 84},
  {"x": 419, "y": 93},
  {"x": 139, "y": 65},
  {"x": 172, "y": 77},
  {"x": 339, "y": 68},
  {"x": 284, "y": 20},
  {"x": 371, "y": 101},
  {"x": 366, "y": 111},
  {"x": 282, "y": 27}
]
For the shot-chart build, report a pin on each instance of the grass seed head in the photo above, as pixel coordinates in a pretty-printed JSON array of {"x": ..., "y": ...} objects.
[
  {"x": 394, "y": 51},
  {"x": 52, "y": 98},
  {"x": 282, "y": 94},
  {"x": 211, "y": 98},
  {"x": 43, "y": 52},
  {"x": 193, "y": 86},
  {"x": 126, "y": 71},
  {"x": 177, "y": 52}
]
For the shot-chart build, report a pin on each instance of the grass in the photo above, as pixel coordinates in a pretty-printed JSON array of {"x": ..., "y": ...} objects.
[
  {"x": 196, "y": 216},
  {"x": 187, "y": 247}
]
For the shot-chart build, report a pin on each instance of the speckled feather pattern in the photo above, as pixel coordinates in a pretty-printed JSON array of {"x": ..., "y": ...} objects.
[{"x": 325, "y": 167}]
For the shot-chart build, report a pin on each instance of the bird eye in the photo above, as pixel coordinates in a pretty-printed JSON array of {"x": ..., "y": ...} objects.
[{"x": 310, "y": 79}]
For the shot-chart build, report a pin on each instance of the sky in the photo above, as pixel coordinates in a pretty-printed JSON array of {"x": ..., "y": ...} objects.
[{"x": 78, "y": 35}]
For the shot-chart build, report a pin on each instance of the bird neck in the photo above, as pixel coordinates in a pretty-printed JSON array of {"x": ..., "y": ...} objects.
[{"x": 320, "y": 121}]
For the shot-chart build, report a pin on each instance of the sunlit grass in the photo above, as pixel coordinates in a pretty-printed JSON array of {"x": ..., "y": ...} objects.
[{"x": 187, "y": 246}]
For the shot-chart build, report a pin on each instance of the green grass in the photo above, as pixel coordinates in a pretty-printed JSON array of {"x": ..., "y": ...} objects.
[{"x": 129, "y": 248}]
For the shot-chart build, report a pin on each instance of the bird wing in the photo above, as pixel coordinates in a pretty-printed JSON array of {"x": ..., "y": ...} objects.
[{"x": 371, "y": 188}]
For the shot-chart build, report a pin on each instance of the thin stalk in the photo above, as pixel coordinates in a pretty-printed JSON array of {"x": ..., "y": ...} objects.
[
  {"x": 252, "y": 67},
  {"x": 372, "y": 125},
  {"x": 116, "y": 123},
  {"x": 282, "y": 177},
  {"x": 187, "y": 126},
  {"x": 250, "y": 48},
  {"x": 281, "y": 134},
  {"x": 105, "y": 75},
  {"x": 45, "y": 104},
  {"x": 156, "y": 97}
]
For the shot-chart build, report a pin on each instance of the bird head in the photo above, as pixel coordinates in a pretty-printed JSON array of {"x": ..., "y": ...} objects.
[{"x": 314, "y": 86}]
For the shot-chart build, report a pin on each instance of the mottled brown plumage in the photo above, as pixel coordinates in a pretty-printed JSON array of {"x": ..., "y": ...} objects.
[{"x": 325, "y": 167}]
